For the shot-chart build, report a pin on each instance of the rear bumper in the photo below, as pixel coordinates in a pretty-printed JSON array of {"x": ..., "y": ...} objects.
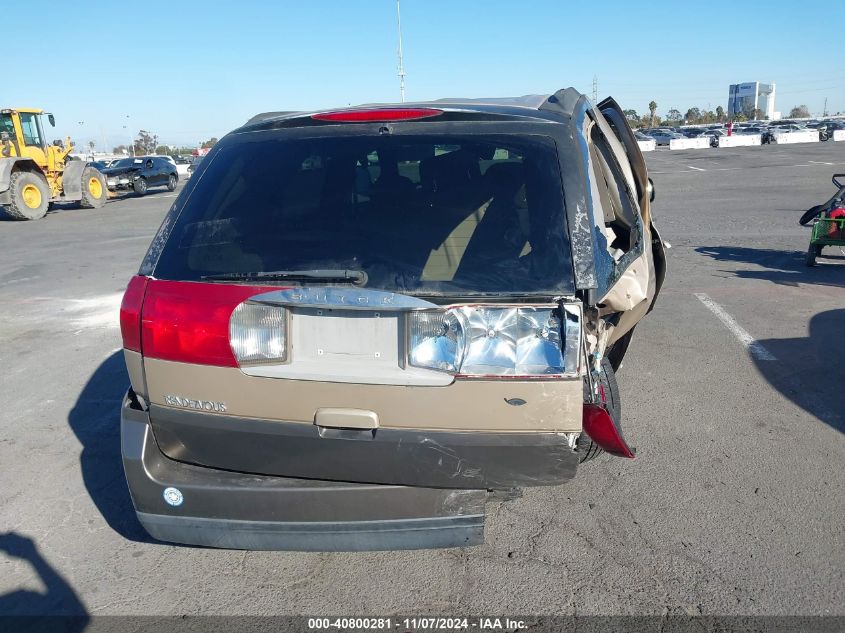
[
  {"x": 234, "y": 510},
  {"x": 408, "y": 457}
]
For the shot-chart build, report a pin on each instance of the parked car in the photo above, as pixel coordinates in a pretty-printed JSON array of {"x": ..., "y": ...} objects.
[
  {"x": 193, "y": 166},
  {"x": 787, "y": 127},
  {"x": 141, "y": 173},
  {"x": 169, "y": 159},
  {"x": 826, "y": 128},
  {"x": 182, "y": 165},
  {"x": 784, "y": 128},
  {"x": 833, "y": 126},
  {"x": 712, "y": 134},
  {"x": 356, "y": 324},
  {"x": 662, "y": 137}
]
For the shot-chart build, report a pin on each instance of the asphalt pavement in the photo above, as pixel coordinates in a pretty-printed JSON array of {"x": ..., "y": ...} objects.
[{"x": 732, "y": 393}]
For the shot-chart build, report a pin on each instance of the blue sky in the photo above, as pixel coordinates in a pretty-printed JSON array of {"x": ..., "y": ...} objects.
[{"x": 188, "y": 70}]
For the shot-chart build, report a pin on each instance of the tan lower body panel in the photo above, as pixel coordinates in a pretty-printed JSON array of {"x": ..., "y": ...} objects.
[
  {"x": 135, "y": 369},
  {"x": 465, "y": 405}
]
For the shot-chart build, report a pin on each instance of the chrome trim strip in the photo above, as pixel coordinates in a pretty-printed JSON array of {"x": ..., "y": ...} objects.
[{"x": 345, "y": 298}]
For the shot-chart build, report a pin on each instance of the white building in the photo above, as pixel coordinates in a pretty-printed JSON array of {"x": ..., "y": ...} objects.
[{"x": 748, "y": 97}]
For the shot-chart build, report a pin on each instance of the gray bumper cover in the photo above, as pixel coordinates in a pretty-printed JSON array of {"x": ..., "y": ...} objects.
[
  {"x": 407, "y": 457},
  {"x": 242, "y": 511}
]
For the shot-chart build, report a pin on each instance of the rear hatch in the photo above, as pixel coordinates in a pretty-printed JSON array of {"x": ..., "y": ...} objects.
[{"x": 379, "y": 301}]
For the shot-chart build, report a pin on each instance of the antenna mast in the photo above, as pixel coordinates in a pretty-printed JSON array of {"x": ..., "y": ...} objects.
[{"x": 401, "y": 62}]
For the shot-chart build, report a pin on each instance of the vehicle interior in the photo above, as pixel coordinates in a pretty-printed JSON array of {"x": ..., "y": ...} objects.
[{"x": 411, "y": 214}]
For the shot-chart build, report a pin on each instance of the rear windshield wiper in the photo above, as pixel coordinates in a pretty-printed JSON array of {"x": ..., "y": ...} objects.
[{"x": 357, "y": 277}]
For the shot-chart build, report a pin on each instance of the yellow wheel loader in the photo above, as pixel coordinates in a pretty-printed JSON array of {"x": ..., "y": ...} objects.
[{"x": 34, "y": 174}]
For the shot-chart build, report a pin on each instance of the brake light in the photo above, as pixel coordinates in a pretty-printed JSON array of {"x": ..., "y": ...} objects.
[
  {"x": 380, "y": 114},
  {"x": 130, "y": 313},
  {"x": 600, "y": 427},
  {"x": 188, "y": 322}
]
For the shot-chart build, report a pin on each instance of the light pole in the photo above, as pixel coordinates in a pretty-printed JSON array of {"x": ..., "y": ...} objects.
[
  {"x": 131, "y": 140},
  {"x": 401, "y": 61}
]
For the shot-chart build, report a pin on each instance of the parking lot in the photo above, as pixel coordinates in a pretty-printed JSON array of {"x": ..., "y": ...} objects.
[{"x": 732, "y": 395}]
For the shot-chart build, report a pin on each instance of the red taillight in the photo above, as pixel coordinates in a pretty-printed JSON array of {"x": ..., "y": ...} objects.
[
  {"x": 600, "y": 427},
  {"x": 381, "y": 114},
  {"x": 188, "y": 322},
  {"x": 130, "y": 313}
]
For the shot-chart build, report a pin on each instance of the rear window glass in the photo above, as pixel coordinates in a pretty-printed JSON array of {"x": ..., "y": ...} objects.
[
  {"x": 417, "y": 214},
  {"x": 128, "y": 162}
]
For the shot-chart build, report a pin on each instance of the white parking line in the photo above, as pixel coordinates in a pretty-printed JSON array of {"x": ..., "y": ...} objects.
[
  {"x": 819, "y": 162},
  {"x": 696, "y": 168},
  {"x": 755, "y": 348}
]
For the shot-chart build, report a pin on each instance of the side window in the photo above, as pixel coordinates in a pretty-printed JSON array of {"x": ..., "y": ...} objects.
[
  {"x": 29, "y": 125},
  {"x": 149, "y": 164},
  {"x": 6, "y": 125}
]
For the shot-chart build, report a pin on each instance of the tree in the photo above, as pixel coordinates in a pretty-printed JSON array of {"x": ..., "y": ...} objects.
[
  {"x": 799, "y": 112},
  {"x": 693, "y": 115},
  {"x": 673, "y": 115},
  {"x": 164, "y": 150},
  {"x": 209, "y": 143},
  {"x": 146, "y": 143},
  {"x": 759, "y": 115},
  {"x": 632, "y": 116},
  {"x": 720, "y": 113},
  {"x": 120, "y": 149},
  {"x": 740, "y": 117},
  {"x": 748, "y": 111},
  {"x": 652, "y": 108}
]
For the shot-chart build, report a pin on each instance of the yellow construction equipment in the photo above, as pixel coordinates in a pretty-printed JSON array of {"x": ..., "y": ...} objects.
[{"x": 34, "y": 174}]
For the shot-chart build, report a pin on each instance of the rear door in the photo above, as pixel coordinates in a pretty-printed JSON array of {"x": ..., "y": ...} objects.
[
  {"x": 612, "y": 112},
  {"x": 429, "y": 346},
  {"x": 163, "y": 169}
]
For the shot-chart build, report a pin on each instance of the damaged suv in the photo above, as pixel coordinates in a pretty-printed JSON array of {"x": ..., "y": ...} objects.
[{"x": 355, "y": 326}]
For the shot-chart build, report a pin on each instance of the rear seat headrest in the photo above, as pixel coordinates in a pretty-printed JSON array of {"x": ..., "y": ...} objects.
[
  {"x": 449, "y": 171},
  {"x": 505, "y": 177}
]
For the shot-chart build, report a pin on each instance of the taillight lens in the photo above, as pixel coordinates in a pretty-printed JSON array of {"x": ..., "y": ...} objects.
[
  {"x": 599, "y": 425},
  {"x": 188, "y": 322},
  {"x": 496, "y": 342},
  {"x": 257, "y": 333},
  {"x": 130, "y": 313}
]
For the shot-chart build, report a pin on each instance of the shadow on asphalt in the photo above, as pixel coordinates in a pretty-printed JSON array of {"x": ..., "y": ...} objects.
[
  {"x": 808, "y": 370},
  {"x": 54, "y": 209},
  {"x": 63, "y": 207},
  {"x": 59, "y": 598},
  {"x": 782, "y": 267},
  {"x": 95, "y": 419}
]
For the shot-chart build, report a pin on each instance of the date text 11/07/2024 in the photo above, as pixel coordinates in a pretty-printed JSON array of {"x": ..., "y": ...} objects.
[{"x": 416, "y": 624}]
